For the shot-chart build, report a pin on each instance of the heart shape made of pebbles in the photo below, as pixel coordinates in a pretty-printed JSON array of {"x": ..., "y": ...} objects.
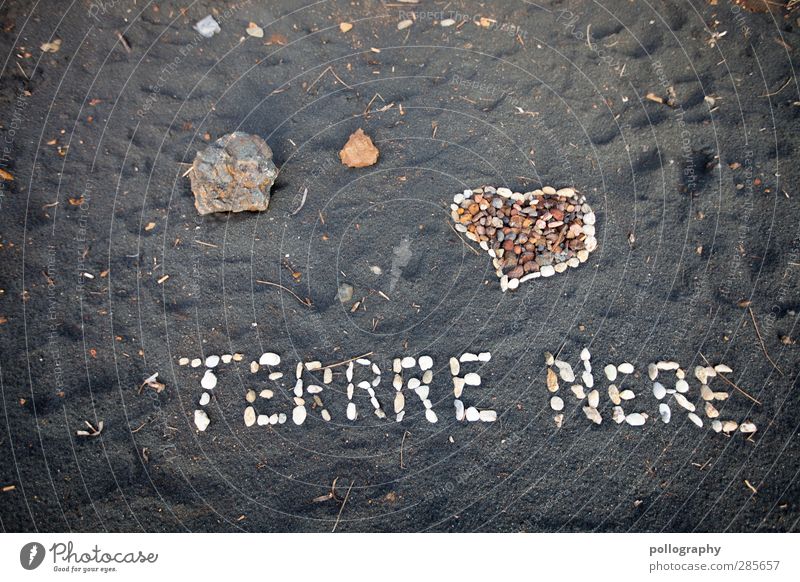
[{"x": 530, "y": 235}]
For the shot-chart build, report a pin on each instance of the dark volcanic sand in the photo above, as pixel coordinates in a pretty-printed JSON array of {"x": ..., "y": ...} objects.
[{"x": 76, "y": 349}]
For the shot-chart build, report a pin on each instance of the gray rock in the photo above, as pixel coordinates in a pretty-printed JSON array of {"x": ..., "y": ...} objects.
[{"x": 234, "y": 174}]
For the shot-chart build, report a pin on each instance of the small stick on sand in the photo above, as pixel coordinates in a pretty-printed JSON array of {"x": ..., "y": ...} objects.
[
  {"x": 346, "y": 497},
  {"x": 462, "y": 240},
  {"x": 347, "y": 361},
  {"x": 729, "y": 382},
  {"x": 760, "y": 339},
  {"x": 402, "y": 443},
  {"x": 306, "y": 302}
]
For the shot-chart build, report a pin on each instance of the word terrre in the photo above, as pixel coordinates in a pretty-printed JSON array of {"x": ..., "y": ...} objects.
[{"x": 412, "y": 377}]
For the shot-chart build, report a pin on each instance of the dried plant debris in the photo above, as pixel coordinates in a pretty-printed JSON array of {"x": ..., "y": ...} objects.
[
  {"x": 92, "y": 431},
  {"x": 359, "y": 151},
  {"x": 530, "y": 235}
]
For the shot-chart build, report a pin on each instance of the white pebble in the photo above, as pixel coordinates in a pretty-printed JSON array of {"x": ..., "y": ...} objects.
[
  {"x": 299, "y": 414},
  {"x": 201, "y": 420},
  {"x": 635, "y": 419},
  {"x": 204, "y": 399},
  {"x": 468, "y": 357},
  {"x": 682, "y": 386},
  {"x": 625, "y": 368},
  {"x": 547, "y": 271},
  {"x": 212, "y": 361},
  {"x": 269, "y": 359},
  {"x": 748, "y": 428},
  {"x": 197, "y": 362},
  {"x": 681, "y": 399},
  {"x": 425, "y": 363},
  {"x": 408, "y": 362},
  {"x": 594, "y": 398},
  {"x": 472, "y": 379},
  {"x": 695, "y": 419},
  {"x": 658, "y": 390},
  {"x": 585, "y": 355},
  {"x": 262, "y": 420},
  {"x": 722, "y": 369},
  {"x": 209, "y": 380},
  {"x": 592, "y": 414},
  {"x": 183, "y": 362},
  {"x": 430, "y": 415},
  {"x": 577, "y": 390},
  {"x": 459, "y": 409},
  {"x": 266, "y": 394},
  {"x": 249, "y": 416},
  {"x": 488, "y": 415},
  {"x": 611, "y": 372},
  {"x": 484, "y": 356},
  {"x": 665, "y": 411},
  {"x": 413, "y": 383},
  {"x": 588, "y": 379},
  {"x": 652, "y": 371},
  {"x": 226, "y": 358},
  {"x": 472, "y": 414},
  {"x": 627, "y": 395},
  {"x": 455, "y": 367},
  {"x": 667, "y": 365},
  {"x": 556, "y": 403}
]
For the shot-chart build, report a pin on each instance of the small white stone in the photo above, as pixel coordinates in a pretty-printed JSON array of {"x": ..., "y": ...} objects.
[
  {"x": 652, "y": 371},
  {"x": 254, "y": 367},
  {"x": 513, "y": 284},
  {"x": 226, "y": 358},
  {"x": 250, "y": 396},
  {"x": 326, "y": 416},
  {"x": 459, "y": 406},
  {"x": 658, "y": 390},
  {"x": 618, "y": 415},
  {"x": 399, "y": 402},
  {"x": 351, "y": 411},
  {"x": 635, "y": 419},
  {"x": 408, "y": 362},
  {"x": 212, "y": 361},
  {"x": 249, "y": 416},
  {"x": 665, "y": 411},
  {"x": 627, "y": 395},
  {"x": 397, "y": 365},
  {"x": 423, "y": 392},
  {"x": 427, "y": 377},
  {"x": 299, "y": 414},
  {"x": 413, "y": 383},
  {"x": 667, "y": 365},
  {"x": 314, "y": 365},
  {"x": 488, "y": 415},
  {"x": 269, "y": 359},
  {"x": 588, "y": 379},
  {"x": 577, "y": 390},
  {"x": 458, "y": 386},
  {"x": 197, "y": 362},
  {"x": 327, "y": 376},
  {"x": 205, "y": 398},
  {"x": 266, "y": 394},
  {"x": 425, "y": 363},
  {"x": 682, "y": 386},
  {"x": 209, "y": 380},
  {"x": 262, "y": 420},
  {"x": 472, "y": 379},
  {"x": 556, "y": 403},
  {"x": 547, "y": 271},
  {"x": 594, "y": 399},
  {"x": 701, "y": 374},
  {"x": 472, "y": 414},
  {"x": 430, "y": 415},
  {"x": 610, "y": 372},
  {"x": 455, "y": 367},
  {"x": 589, "y": 218},
  {"x": 469, "y": 357},
  {"x": 722, "y": 369},
  {"x": 695, "y": 419},
  {"x": 585, "y": 355},
  {"x": 275, "y": 376},
  {"x": 681, "y": 400},
  {"x": 613, "y": 394},
  {"x": 549, "y": 360},
  {"x": 748, "y": 428},
  {"x": 183, "y": 362},
  {"x": 625, "y": 368},
  {"x": 484, "y": 356},
  {"x": 716, "y": 425},
  {"x": 445, "y": 23},
  {"x": 565, "y": 371},
  {"x": 201, "y": 420},
  {"x": 592, "y": 414}
]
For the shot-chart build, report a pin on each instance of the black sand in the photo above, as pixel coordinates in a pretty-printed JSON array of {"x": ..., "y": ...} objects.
[{"x": 697, "y": 211}]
